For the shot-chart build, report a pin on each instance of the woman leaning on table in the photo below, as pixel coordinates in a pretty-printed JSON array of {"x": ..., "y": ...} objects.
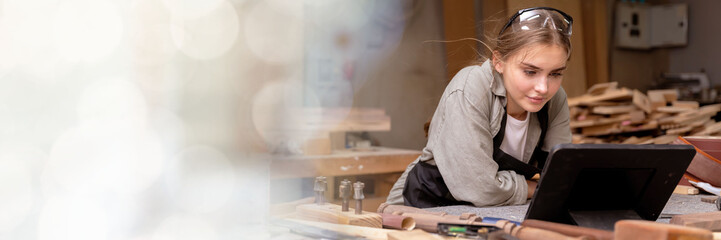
[{"x": 496, "y": 121}]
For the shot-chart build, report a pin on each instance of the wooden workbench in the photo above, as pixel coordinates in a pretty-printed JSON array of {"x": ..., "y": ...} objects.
[
  {"x": 677, "y": 204},
  {"x": 378, "y": 167}
]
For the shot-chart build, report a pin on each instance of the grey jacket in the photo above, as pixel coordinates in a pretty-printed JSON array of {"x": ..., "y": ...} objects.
[{"x": 460, "y": 139}]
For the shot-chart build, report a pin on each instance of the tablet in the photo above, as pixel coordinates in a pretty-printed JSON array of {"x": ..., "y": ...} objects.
[{"x": 595, "y": 185}]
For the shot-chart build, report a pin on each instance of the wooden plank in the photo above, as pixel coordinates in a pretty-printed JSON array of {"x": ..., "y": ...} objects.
[
  {"x": 332, "y": 213},
  {"x": 570, "y": 230},
  {"x": 281, "y": 210},
  {"x": 710, "y": 220},
  {"x": 663, "y": 95},
  {"x": 636, "y": 140},
  {"x": 620, "y": 94},
  {"x": 601, "y": 88},
  {"x": 679, "y": 131},
  {"x": 673, "y": 109},
  {"x": 614, "y": 109},
  {"x": 647, "y": 230},
  {"x": 686, "y": 104},
  {"x": 602, "y": 103},
  {"x": 637, "y": 116},
  {"x": 664, "y": 139},
  {"x": 686, "y": 190},
  {"x": 317, "y": 146},
  {"x": 641, "y": 101},
  {"x": 601, "y": 130}
]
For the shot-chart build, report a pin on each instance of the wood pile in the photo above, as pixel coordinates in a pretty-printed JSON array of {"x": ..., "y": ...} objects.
[{"x": 608, "y": 114}]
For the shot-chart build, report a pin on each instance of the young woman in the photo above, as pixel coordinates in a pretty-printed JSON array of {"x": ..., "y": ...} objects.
[{"x": 496, "y": 122}]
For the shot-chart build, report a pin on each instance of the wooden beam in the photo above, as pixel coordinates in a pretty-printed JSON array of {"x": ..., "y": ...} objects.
[
  {"x": 459, "y": 22},
  {"x": 595, "y": 39}
]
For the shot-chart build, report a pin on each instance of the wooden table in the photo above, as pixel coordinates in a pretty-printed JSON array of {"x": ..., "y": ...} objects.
[{"x": 377, "y": 167}]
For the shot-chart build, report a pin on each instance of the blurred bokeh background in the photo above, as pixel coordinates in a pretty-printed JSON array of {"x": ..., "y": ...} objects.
[{"x": 155, "y": 119}]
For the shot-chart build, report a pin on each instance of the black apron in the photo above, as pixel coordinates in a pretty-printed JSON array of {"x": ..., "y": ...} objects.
[{"x": 425, "y": 187}]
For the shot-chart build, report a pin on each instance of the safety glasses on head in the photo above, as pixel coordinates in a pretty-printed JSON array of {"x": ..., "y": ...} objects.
[{"x": 540, "y": 17}]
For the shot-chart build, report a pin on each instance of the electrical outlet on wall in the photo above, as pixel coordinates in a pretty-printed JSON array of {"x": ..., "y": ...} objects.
[
  {"x": 633, "y": 28},
  {"x": 642, "y": 26}
]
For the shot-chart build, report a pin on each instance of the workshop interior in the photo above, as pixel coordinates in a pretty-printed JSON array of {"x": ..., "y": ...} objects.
[{"x": 363, "y": 119}]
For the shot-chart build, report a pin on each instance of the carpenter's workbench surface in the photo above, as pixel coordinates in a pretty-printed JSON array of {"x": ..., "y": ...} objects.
[{"x": 677, "y": 204}]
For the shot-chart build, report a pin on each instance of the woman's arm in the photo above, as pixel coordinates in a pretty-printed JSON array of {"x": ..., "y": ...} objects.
[{"x": 462, "y": 146}]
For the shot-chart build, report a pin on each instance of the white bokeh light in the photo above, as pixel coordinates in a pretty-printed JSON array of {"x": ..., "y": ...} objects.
[
  {"x": 192, "y": 8},
  {"x": 209, "y": 36},
  {"x": 272, "y": 35},
  {"x": 93, "y": 158},
  {"x": 113, "y": 101},
  {"x": 203, "y": 181},
  {"x": 112, "y": 148},
  {"x": 87, "y": 30},
  {"x": 149, "y": 33},
  {"x": 16, "y": 188},
  {"x": 25, "y": 27},
  {"x": 184, "y": 228},
  {"x": 275, "y": 112},
  {"x": 76, "y": 218}
]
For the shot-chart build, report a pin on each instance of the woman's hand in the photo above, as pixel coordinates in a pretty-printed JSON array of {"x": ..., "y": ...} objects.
[{"x": 531, "y": 187}]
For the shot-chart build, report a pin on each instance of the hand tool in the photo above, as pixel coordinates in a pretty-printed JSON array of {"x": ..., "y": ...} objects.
[
  {"x": 344, "y": 191},
  {"x": 358, "y": 196},
  {"x": 715, "y": 200},
  {"x": 320, "y": 186},
  {"x": 465, "y": 230}
]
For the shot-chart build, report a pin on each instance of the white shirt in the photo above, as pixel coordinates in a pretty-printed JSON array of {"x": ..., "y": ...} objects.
[{"x": 514, "y": 141}]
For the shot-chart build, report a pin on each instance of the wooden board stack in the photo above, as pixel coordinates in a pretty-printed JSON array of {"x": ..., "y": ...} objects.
[{"x": 608, "y": 114}]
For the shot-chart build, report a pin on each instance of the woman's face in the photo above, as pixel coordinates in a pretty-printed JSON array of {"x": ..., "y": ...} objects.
[{"x": 532, "y": 76}]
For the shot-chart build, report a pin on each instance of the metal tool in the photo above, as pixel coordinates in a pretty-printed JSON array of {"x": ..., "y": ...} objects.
[
  {"x": 466, "y": 231},
  {"x": 320, "y": 186},
  {"x": 358, "y": 196},
  {"x": 344, "y": 190},
  {"x": 715, "y": 200}
]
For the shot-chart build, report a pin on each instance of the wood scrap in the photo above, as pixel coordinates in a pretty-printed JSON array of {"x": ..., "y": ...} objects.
[
  {"x": 614, "y": 109},
  {"x": 393, "y": 221},
  {"x": 601, "y": 88},
  {"x": 532, "y": 233},
  {"x": 709, "y": 220},
  {"x": 647, "y": 230},
  {"x": 641, "y": 101},
  {"x": 664, "y": 95},
  {"x": 569, "y": 230},
  {"x": 672, "y": 109},
  {"x": 685, "y": 104},
  {"x": 617, "y": 94},
  {"x": 612, "y": 114},
  {"x": 686, "y": 190},
  {"x": 664, "y": 139},
  {"x": 679, "y": 131}
]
